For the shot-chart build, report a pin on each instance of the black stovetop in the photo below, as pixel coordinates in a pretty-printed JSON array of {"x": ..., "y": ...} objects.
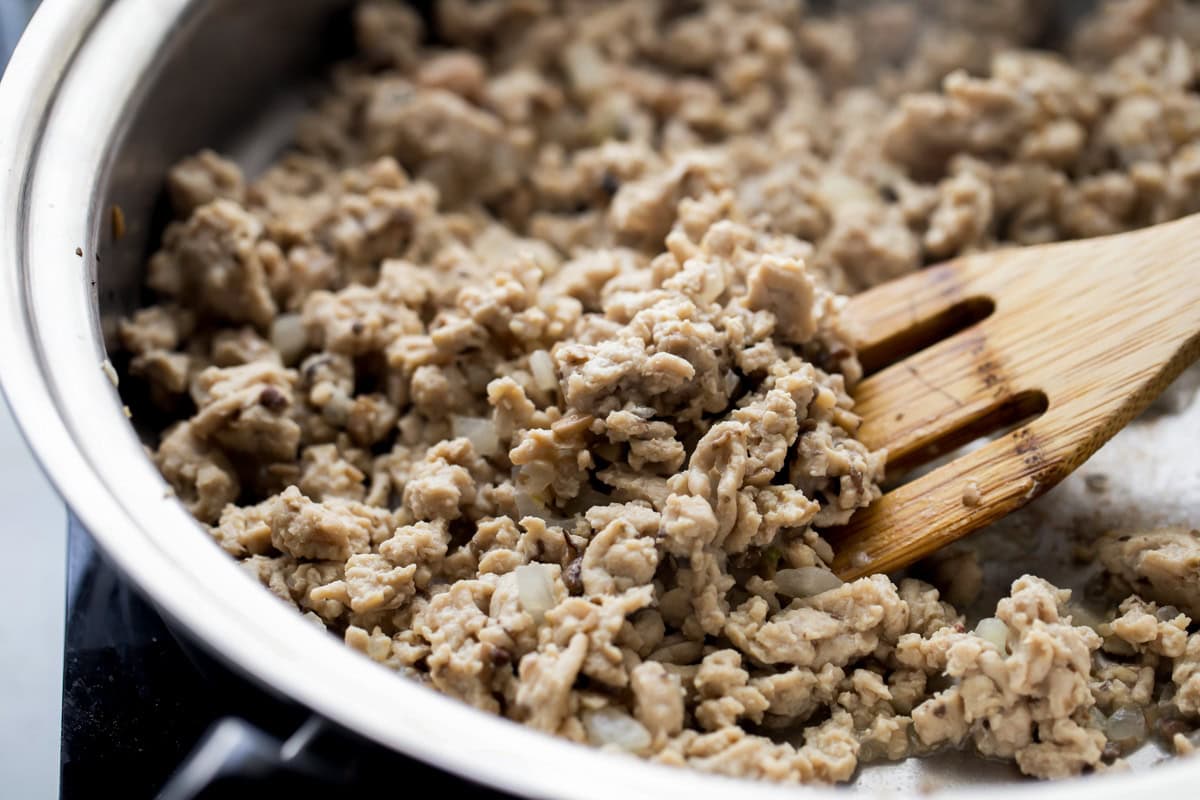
[{"x": 148, "y": 714}]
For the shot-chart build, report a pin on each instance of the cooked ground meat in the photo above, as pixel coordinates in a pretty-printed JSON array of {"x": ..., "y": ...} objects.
[
  {"x": 526, "y": 370},
  {"x": 1163, "y": 564}
]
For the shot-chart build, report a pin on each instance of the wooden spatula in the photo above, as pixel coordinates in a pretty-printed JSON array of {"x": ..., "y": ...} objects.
[{"x": 1077, "y": 337}]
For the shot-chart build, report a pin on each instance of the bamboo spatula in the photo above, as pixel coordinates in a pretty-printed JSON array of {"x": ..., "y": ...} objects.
[{"x": 1077, "y": 337}]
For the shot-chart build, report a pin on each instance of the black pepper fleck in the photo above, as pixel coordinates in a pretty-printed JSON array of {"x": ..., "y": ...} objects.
[
  {"x": 272, "y": 399},
  {"x": 610, "y": 184}
]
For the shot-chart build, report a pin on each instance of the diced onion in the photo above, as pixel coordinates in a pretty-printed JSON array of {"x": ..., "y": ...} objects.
[
  {"x": 821, "y": 547},
  {"x": 1082, "y": 617},
  {"x": 994, "y": 631},
  {"x": 1117, "y": 646},
  {"x": 479, "y": 430},
  {"x": 836, "y": 189},
  {"x": 805, "y": 581},
  {"x": 731, "y": 382},
  {"x": 528, "y": 506},
  {"x": 535, "y": 588},
  {"x": 871, "y": 750},
  {"x": 1167, "y": 613},
  {"x": 289, "y": 337},
  {"x": 678, "y": 653},
  {"x": 542, "y": 368},
  {"x": 608, "y": 726},
  {"x": 1127, "y": 724},
  {"x": 915, "y": 744},
  {"x": 336, "y": 410}
]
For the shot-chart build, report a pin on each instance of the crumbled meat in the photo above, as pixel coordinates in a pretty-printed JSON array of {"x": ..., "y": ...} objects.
[
  {"x": 463, "y": 150},
  {"x": 527, "y": 370},
  {"x": 202, "y": 476},
  {"x": 658, "y": 699},
  {"x": 201, "y": 179},
  {"x": 245, "y": 409},
  {"x": 785, "y": 289},
  {"x": 219, "y": 260},
  {"x": 1186, "y": 677},
  {"x": 325, "y": 473},
  {"x": 1026, "y": 700},
  {"x": 329, "y": 530},
  {"x": 1161, "y": 564}
]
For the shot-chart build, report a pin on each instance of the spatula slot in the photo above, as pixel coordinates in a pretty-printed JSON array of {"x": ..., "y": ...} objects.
[
  {"x": 924, "y": 333},
  {"x": 1015, "y": 413}
]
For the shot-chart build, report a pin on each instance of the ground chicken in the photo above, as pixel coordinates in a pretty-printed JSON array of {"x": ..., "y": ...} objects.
[
  {"x": 1163, "y": 564},
  {"x": 526, "y": 370}
]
